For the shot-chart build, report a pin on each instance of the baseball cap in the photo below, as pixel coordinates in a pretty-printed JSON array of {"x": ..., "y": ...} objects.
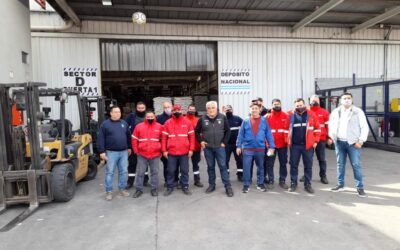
[{"x": 177, "y": 107}]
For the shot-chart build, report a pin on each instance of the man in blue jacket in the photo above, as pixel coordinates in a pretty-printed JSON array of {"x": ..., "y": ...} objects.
[
  {"x": 114, "y": 145},
  {"x": 253, "y": 134}
]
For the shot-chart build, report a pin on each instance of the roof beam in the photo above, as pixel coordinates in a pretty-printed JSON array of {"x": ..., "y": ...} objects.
[
  {"x": 69, "y": 11},
  {"x": 317, "y": 13},
  {"x": 371, "y": 22}
]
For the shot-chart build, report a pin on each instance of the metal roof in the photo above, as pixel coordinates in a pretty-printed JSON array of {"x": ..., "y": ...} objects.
[{"x": 357, "y": 14}]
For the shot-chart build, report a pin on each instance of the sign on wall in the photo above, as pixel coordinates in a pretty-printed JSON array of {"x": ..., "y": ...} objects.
[
  {"x": 235, "y": 81},
  {"x": 84, "y": 80}
]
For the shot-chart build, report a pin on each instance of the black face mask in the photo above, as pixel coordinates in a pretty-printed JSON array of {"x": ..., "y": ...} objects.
[
  {"x": 177, "y": 115},
  {"x": 229, "y": 114},
  {"x": 191, "y": 113},
  {"x": 315, "y": 104},
  {"x": 150, "y": 121},
  {"x": 300, "y": 110},
  {"x": 140, "y": 114},
  {"x": 277, "y": 109}
]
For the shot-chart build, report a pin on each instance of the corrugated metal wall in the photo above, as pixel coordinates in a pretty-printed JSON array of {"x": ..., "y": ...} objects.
[{"x": 51, "y": 55}]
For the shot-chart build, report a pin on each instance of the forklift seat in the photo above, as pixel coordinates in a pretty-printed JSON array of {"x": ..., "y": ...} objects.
[{"x": 68, "y": 129}]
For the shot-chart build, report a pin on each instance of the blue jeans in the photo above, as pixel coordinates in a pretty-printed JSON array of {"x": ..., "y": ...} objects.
[
  {"x": 180, "y": 162},
  {"x": 343, "y": 149},
  {"x": 296, "y": 152},
  {"x": 248, "y": 157},
  {"x": 218, "y": 154},
  {"x": 282, "y": 155},
  {"x": 116, "y": 159}
]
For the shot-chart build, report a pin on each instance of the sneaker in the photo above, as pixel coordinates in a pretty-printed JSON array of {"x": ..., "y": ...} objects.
[
  {"x": 186, "y": 191},
  {"x": 324, "y": 180},
  {"x": 124, "y": 193},
  {"x": 154, "y": 192},
  {"x": 168, "y": 191},
  {"x": 361, "y": 192},
  {"x": 210, "y": 189},
  {"x": 240, "y": 178},
  {"x": 309, "y": 189},
  {"x": 270, "y": 186},
  {"x": 198, "y": 184},
  {"x": 137, "y": 194},
  {"x": 283, "y": 185},
  {"x": 109, "y": 196},
  {"x": 261, "y": 187},
  {"x": 293, "y": 187},
  {"x": 229, "y": 191},
  {"x": 302, "y": 179},
  {"x": 338, "y": 189},
  {"x": 245, "y": 189}
]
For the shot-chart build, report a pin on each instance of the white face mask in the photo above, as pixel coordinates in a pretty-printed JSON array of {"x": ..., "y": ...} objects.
[
  {"x": 347, "y": 102},
  {"x": 168, "y": 111}
]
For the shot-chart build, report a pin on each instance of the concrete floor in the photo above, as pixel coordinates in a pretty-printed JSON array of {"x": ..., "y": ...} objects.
[{"x": 272, "y": 220}]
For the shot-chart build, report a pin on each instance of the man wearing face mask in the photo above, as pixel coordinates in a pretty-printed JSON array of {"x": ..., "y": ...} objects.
[
  {"x": 177, "y": 146},
  {"x": 234, "y": 123},
  {"x": 191, "y": 116},
  {"x": 146, "y": 143},
  {"x": 304, "y": 133},
  {"x": 133, "y": 120},
  {"x": 279, "y": 124},
  {"x": 348, "y": 128}
]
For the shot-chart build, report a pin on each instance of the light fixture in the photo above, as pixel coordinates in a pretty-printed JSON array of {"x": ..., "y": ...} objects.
[
  {"x": 139, "y": 18},
  {"x": 106, "y": 2}
]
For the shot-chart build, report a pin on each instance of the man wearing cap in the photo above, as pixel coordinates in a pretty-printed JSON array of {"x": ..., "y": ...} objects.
[
  {"x": 177, "y": 146},
  {"x": 234, "y": 123}
]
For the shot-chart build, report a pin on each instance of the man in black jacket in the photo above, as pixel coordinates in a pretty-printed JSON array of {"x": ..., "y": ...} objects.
[{"x": 213, "y": 131}]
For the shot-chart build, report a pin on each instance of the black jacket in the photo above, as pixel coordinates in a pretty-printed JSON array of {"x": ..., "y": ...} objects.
[{"x": 213, "y": 131}]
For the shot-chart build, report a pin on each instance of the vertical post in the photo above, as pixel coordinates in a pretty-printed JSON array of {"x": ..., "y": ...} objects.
[
  {"x": 364, "y": 99},
  {"x": 386, "y": 118},
  {"x": 354, "y": 79}
]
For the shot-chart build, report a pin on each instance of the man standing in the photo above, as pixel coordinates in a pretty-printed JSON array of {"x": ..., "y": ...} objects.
[
  {"x": 146, "y": 143},
  {"x": 133, "y": 120},
  {"x": 279, "y": 124},
  {"x": 177, "y": 146},
  {"x": 234, "y": 123},
  {"x": 191, "y": 116},
  {"x": 114, "y": 146},
  {"x": 253, "y": 135},
  {"x": 212, "y": 131},
  {"x": 349, "y": 130},
  {"x": 304, "y": 133},
  {"x": 260, "y": 102}
]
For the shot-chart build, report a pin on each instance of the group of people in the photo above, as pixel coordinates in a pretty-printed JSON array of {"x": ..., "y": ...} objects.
[{"x": 144, "y": 139}]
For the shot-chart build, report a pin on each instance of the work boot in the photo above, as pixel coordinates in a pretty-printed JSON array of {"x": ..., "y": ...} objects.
[
  {"x": 210, "y": 189},
  {"x": 186, "y": 191},
  {"x": 168, "y": 191},
  {"x": 109, "y": 196},
  {"x": 283, "y": 185},
  {"x": 270, "y": 186},
  {"x": 293, "y": 187},
  {"x": 309, "y": 189},
  {"x": 154, "y": 192},
  {"x": 229, "y": 191},
  {"x": 198, "y": 184},
  {"x": 324, "y": 180},
  {"x": 302, "y": 179},
  {"x": 137, "y": 194},
  {"x": 123, "y": 193}
]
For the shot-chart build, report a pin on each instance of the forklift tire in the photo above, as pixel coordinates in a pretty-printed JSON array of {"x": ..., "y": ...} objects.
[
  {"x": 92, "y": 171},
  {"x": 63, "y": 182}
]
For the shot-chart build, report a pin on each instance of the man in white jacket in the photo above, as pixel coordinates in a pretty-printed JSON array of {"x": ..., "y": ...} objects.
[{"x": 348, "y": 128}]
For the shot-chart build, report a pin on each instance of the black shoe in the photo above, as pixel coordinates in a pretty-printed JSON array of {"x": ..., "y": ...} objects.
[
  {"x": 270, "y": 186},
  {"x": 229, "y": 191},
  {"x": 168, "y": 191},
  {"x": 137, "y": 194},
  {"x": 324, "y": 180},
  {"x": 245, "y": 189},
  {"x": 283, "y": 185},
  {"x": 186, "y": 191},
  {"x": 210, "y": 189},
  {"x": 293, "y": 187},
  {"x": 337, "y": 189},
  {"x": 361, "y": 193},
  {"x": 154, "y": 192},
  {"x": 198, "y": 184},
  {"x": 129, "y": 185},
  {"x": 309, "y": 189},
  {"x": 240, "y": 178},
  {"x": 261, "y": 187},
  {"x": 302, "y": 179}
]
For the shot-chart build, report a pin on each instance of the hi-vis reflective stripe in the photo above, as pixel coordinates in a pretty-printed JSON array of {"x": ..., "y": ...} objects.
[
  {"x": 273, "y": 130},
  {"x": 183, "y": 135},
  {"x": 317, "y": 130},
  {"x": 239, "y": 170},
  {"x": 299, "y": 124},
  {"x": 197, "y": 172},
  {"x": 171, "y": 135},
  {"x": 151, "y": 139},
  {"x": 286, "y": 131},
  {"x": 165, "y": 133},
  {"x": 326, "y": 123},
  {"x": 322, "y": 125},
  {"x": 131, "y": 175},
  {"x": 310, "y": 128},
  {"x": 281, "y": 131},
  {"x": 235, "y": 128},
  {"x": 191, "y": 131},
  {"x": 134, "y": 137},
  {"x": 143, "y": 139}
]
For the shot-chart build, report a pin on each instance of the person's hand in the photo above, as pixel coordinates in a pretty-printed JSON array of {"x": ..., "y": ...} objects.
[
  {"x": 271, "y": 152},
  {"x": 203, "y": 144},
  {"x": 103, "y": 156},
  {"x": 222, "y": 145},
  {"x": 190, "y": 154},
  {"x": 329, "y": 142},
  {"x": 315, "y": 145},
  {"x": 357, "y": 145},
  {"x": 129, "y": 151},
  {"x": 238, "y": 151},
  {"x": 165, "y": 154}
]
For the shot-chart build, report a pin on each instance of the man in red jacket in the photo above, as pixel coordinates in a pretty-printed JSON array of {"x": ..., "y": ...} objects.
[
  {"x": 279, "y": 124},
  {"x": 178, "y": 146},
  {"x": 191, "y": 116},
  {"x": 146, "y": 143}
]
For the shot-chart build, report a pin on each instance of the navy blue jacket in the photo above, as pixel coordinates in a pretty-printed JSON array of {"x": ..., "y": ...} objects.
[
  {"x": 163, "y": 118},
  {"x": 234, "y": 123},
  {"x": 113, "y": 136},
  {"x": 133, "y": 120}
]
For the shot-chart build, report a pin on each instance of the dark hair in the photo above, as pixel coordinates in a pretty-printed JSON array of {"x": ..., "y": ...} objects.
[
  {"x": 299, "y": 100},
  {"x": 140, "y": 103},
  {"x": 275, "y": 100},
  {"x": 114, "y": 107},
  {"x": 346, "y": 93},
  {"x": 149, "y": 111},
  {"x": 192, "y": 105},
  {"x": 254, "y": 104}
]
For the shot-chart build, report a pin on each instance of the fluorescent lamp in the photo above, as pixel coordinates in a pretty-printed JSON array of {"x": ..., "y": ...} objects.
[{"x": 106, "y": 2}]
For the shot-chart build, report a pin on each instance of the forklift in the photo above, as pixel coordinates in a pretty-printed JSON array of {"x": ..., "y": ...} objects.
[{"x": 40, "y": 161}]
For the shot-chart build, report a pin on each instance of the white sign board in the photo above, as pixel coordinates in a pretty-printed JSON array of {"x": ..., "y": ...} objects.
[
  {"x": 235, "y": 82},
  {"x": 84, "y": 80}
]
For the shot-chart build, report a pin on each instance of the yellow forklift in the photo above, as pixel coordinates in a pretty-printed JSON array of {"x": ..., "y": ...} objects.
[{"x": 42, "y": 159}]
